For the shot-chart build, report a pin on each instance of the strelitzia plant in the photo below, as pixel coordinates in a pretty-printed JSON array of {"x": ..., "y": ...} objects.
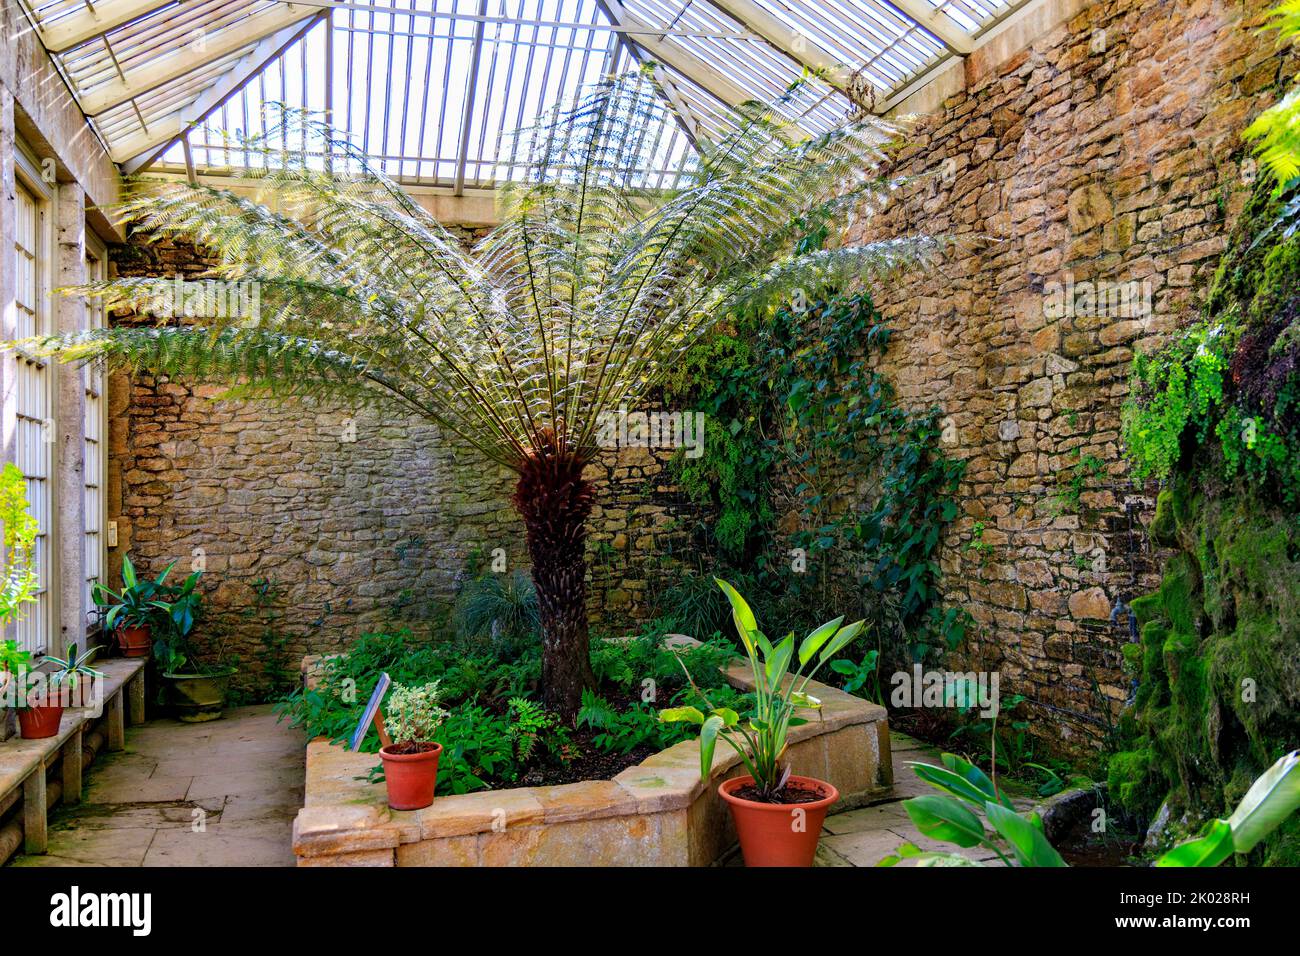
[
  {"x": 1269, "y": 803},
  {"x": 761, "y": 738}
]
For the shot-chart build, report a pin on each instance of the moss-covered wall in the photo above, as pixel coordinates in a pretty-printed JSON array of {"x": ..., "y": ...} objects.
[
  {"x": 1217, "y": 666},
  {"x": 1218, "y": 663}
]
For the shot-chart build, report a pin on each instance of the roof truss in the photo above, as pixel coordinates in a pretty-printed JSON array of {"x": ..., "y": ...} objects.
[{"x": 145, "y": 89}]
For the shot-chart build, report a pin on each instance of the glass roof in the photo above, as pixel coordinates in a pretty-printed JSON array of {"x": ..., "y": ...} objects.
[{"x": 430, "y": 88}]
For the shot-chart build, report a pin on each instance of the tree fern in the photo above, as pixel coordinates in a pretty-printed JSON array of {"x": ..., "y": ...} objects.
[
  {"x": 588, "y": 290},
  {"x": 1277, "y": 129}
]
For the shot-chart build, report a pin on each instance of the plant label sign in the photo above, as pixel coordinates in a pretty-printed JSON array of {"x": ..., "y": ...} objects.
[{"x": 372, "y": 715}]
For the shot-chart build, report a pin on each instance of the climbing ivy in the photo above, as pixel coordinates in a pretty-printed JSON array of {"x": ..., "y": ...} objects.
[
  {"x": 801, "y": 424},
  {"x": 1226, "y": 387}
]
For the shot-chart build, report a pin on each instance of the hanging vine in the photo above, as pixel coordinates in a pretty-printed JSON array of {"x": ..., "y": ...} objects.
[{"x": 815, "y": 487}]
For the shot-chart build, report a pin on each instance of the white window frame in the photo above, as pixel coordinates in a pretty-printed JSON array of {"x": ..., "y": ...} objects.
[
  {"x": 95, "y": 440},
  {"x": 35, "y": 394}
]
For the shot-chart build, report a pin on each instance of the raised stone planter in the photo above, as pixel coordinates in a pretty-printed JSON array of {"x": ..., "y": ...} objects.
[{"x": 658, "y": 813}]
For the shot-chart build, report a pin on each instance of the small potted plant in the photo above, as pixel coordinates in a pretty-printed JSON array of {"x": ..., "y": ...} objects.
[
  {"x": 13, "y": 661},
  {"x": 41, "y": 710},
  {"x": 195, "y": 691},
  {"x": 131, "y": 614},
  {"x": 778, "y": 815},
  {"x": 20, "y": 580},
  {"x": 412, "y": 716}
]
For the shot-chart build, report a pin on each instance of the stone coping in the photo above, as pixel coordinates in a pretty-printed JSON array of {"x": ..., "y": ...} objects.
[
  {"x": 345, "y": 815},
  {"x": 20, "y": 756}
]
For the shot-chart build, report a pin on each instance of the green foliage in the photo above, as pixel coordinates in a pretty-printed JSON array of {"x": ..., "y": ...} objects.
[
  {"x": 1074, "y": 481},
  {"x": 953, "y": 816},
  {"x": 477, "y": 750},
  {"x": 498, "y": 608},
  {"x": 266, "y": 614},
  {"x": 625, "y": 730},
  {"x": 857, "y": 676},
  {"x": 1181, "y": 386},
  {"x": 802, "y": 422},
  {"x": 12, "y": 658},
  {"x": 1267, "y": 806},
  {"x": 1215, "y": 417},
  {"x": 1277, "y": 129},
  {"x": 760, "y": 738},
  {"x": 179, "y": 607},
  {"x": 21, "y": 581},
  {"x": 578, "y": 301},
  {"x": 68, "y": 670},
  {"x": 496, "y": 729},
  {"x": 412, "y": 714},
  {"x": 134, "y": 605},
  {"x": 528, "y": 720},
  {"x": 1225, "y": 392},
  {"x": 1218, "y": 696}
]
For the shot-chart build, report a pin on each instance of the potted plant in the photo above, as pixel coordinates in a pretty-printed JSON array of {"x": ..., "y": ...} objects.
[
  {"x": 130, "y": 615},
  {"x": 411, "y": 716},
  {"x": 20, "y": 580},
  {"x": 42, "y": 709},
  {"x": 778, "y": 815},
  {"x": 13, "y": 661},
  {"x": 195, "y": 691}
]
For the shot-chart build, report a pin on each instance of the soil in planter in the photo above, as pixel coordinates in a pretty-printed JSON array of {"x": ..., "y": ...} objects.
[
  {"x": 406, "y": 749},
  {"x": 591, "y": 764},
  {"x": 790, "y": 794}
]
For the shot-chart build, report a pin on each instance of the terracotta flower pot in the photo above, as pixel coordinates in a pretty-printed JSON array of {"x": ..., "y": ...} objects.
[
  {"x": 39, "y": 722},
  {"x": 778, "y": 834},
  {"x": 411, "y": 778},
  {"x": 134, "y": 641}
]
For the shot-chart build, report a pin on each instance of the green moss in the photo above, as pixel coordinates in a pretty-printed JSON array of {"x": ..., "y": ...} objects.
[
  {"x": 1164, "y": 531},
  {"x": 1128, "y": 779},
  {"x": 1219, "y": 661}
]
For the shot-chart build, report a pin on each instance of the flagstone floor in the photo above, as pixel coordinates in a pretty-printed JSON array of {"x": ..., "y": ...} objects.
[
  {"x": 864, "y": 837},
  {"x": 225, "y": 794},
  {"x": 222, "y": 793}
]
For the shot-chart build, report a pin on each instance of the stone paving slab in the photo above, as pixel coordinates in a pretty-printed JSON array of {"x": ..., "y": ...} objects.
[
  {"x": 865, "y": 836},
  {"x": 223, "y": 793}
]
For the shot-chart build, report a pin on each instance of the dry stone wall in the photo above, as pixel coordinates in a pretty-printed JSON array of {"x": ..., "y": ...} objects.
[
  {"x": 1104, "y": 162},
  {"x": 361, "y": 521}
]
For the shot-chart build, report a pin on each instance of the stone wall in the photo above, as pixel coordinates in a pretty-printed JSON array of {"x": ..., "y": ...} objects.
[
  {"x": 361, "y": 521},
  {"x": 1109, "y": 152}
]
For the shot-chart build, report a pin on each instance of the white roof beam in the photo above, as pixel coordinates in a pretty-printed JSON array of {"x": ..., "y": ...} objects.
[
  {"x": 95, "y": 22},
  {"x": 676, "y": 57},
  {"x": 164, "y": 69},
  {"x": 143, "y": 150},
  {"x": 957, "y": 40},
  {"x": 796, "y": 45}
]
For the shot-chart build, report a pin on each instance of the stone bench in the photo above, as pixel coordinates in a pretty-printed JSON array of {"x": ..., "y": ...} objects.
[
  {"x": 657, "y": 813},
  {"x": 24, "y": 763}
]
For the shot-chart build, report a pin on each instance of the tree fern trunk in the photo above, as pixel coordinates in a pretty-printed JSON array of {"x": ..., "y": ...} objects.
[{"x": 555, "y": 501}]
